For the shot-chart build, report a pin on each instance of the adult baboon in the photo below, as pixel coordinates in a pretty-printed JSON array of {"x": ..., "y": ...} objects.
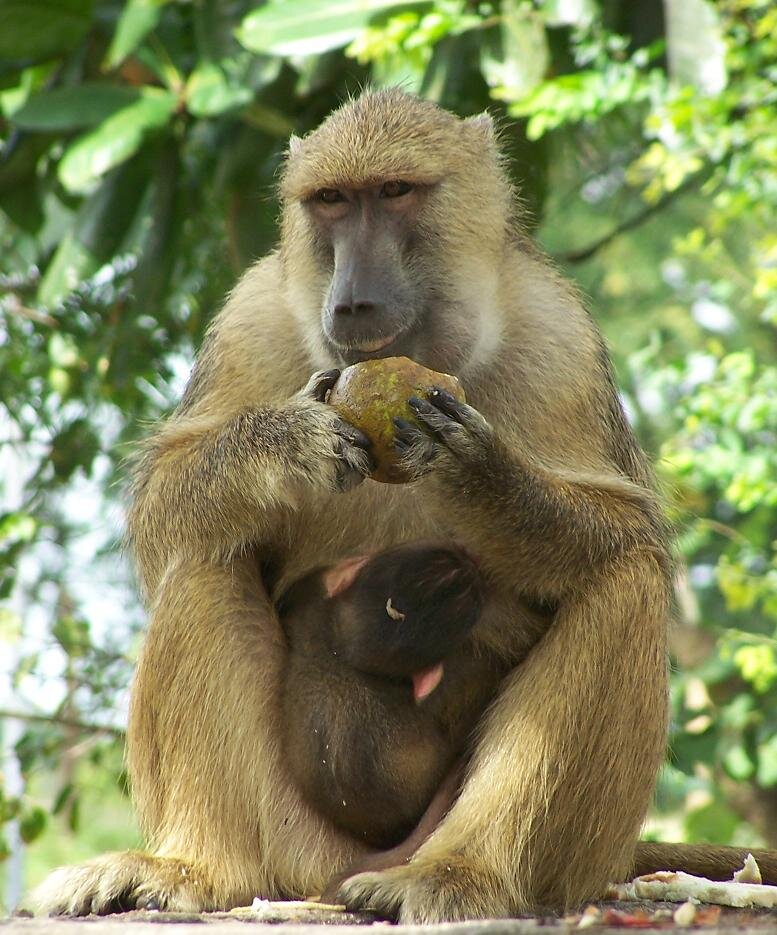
[{"x": 400, "y": 235}]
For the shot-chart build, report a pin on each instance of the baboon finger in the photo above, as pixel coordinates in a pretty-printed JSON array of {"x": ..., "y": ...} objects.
[
  {"x": 462, "y": 413},
  {"x": 351, "y": 434},
  {"x": 440, "y": 424},
  {"x": 319, "y": 384},
  {"x": 414, "y": 447}
]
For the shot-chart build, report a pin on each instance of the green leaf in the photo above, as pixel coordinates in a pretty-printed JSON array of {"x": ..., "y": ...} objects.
[
  {"x": 41, "y": 29},
  {"x": 737, "y": 763},
  {"x": 32, "y": 823},
  {"x": 514, "y": 55},
  {"x": 137, "y": 20},
  {"x": 97, "y": 231},
  {"x": 17, "y": 527},
  {"x": 115, "y": 139},
  {"x": 767, "y": 763},
  {"x": 208, "y": 92},
  {"x": 63, "y": 797},
  {"x": 309, "y": 27},
  {"x": 72, "y": 634},
  {"x": 713, "y": 823},
  {"x": 70, "y": 108}
]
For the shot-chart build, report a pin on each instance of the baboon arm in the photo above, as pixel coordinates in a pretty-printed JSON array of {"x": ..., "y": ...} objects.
[
  {"x": 522, "y": 510},
  {"x": 206, "y": 486},
  {"x": 555, "y": 527},
  {"x": 562, "y": 777}
]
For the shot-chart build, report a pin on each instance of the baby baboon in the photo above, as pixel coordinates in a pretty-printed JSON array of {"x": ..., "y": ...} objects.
[{"x": 382, "y": 687}]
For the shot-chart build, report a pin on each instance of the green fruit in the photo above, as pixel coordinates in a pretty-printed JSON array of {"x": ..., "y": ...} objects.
[{"x": 372, "y": 394}]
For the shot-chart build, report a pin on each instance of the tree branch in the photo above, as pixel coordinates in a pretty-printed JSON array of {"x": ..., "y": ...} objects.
[
  {"x": 64, "y": 722},
  {"x": 585, "y": 253}
]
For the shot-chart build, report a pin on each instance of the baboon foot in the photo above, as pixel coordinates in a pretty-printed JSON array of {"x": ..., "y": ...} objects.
[
  {"x": 120, "y": 882},
  {"x": 423, "y": 892}
]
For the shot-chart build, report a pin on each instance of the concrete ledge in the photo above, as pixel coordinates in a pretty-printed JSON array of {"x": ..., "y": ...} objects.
[{"x": 294, "y": 921}]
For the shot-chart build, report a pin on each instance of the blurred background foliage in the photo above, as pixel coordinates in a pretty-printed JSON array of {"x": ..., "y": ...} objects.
[{"x": 140, "y": 141}]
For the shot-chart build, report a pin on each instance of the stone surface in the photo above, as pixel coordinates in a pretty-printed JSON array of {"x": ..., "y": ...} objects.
[{"x": 295, "y": 919}]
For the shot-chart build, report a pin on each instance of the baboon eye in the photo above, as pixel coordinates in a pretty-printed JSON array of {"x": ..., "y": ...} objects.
[
  {"x": 330, "y": 196},
  {"x": 395, "y": 188}
]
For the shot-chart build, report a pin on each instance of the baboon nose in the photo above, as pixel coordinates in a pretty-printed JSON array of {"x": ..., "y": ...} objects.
[{"x": 355, "y": 308}]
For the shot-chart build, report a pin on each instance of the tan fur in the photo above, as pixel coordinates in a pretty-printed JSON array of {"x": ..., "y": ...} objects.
[{"x": 243, "y": 475}]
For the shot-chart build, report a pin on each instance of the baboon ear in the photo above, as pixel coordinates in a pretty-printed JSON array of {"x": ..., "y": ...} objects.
[
  {"x": 483, "y": 126},
  {"x": 295, "y": 144}
]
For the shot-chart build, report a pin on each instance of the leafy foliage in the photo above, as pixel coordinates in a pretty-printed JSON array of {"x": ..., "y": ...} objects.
[{"x": 140, "y": 144}]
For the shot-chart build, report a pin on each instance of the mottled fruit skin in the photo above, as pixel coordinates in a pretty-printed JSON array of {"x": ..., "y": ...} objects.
[{"x": 370, "y": 395}]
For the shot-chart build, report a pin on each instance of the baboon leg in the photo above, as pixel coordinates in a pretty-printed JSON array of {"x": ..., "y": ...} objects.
[
  {"x": 223, "y": 820},
  {"x": 400, "y": 854},
  {"x": 563, "y": 774}
]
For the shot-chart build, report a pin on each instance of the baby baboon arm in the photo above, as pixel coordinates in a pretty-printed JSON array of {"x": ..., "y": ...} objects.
[
  {"x": 207, "y": 485},
  {"x": 554, "y": 527}
]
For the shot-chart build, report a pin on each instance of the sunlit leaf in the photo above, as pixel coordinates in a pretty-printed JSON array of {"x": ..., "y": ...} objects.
[
  {"x": 767, "y": 763},
  {"x": 138, "y": 18},
  {"x": 17, "y": 527},
  {"x": 209, "y": 93},
  {"x": 115, "y": 139},
  {"x": 695, "y": 46},
  {"x": 568, "y": 12},
  {"x": 10, "y": 626},
  {"x": 514, "y": 55},
  {"x": 309, "y": 27}
]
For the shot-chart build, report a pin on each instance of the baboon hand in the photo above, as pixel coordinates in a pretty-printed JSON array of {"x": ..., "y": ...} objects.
[
  {"x": 449, "y": 430},
  {"x": 424, "y": 891},
  {"x": 342, "y": 450}
]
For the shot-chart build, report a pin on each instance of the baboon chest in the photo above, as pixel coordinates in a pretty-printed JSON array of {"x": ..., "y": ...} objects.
[{"x": 373, "y": 517}]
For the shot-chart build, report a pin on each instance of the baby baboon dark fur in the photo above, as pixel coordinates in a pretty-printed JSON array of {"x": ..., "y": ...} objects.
[{"x": 382, "y": 687}]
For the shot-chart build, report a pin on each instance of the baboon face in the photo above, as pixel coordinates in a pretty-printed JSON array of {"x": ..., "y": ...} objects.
[
  {"x": 395, "y": 217},
  {"x": 374, "y": 306}
]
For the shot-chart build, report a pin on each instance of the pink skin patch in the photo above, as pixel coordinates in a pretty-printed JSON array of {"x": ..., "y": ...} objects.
[
  {"x": 425, "y": 682},
  {"x": 342, "y": 576}
]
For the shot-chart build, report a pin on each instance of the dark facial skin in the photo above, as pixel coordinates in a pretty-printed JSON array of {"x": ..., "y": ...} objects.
[
  {"x": 379, "y": 698},
  {"x": 374, "y": 306}
]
